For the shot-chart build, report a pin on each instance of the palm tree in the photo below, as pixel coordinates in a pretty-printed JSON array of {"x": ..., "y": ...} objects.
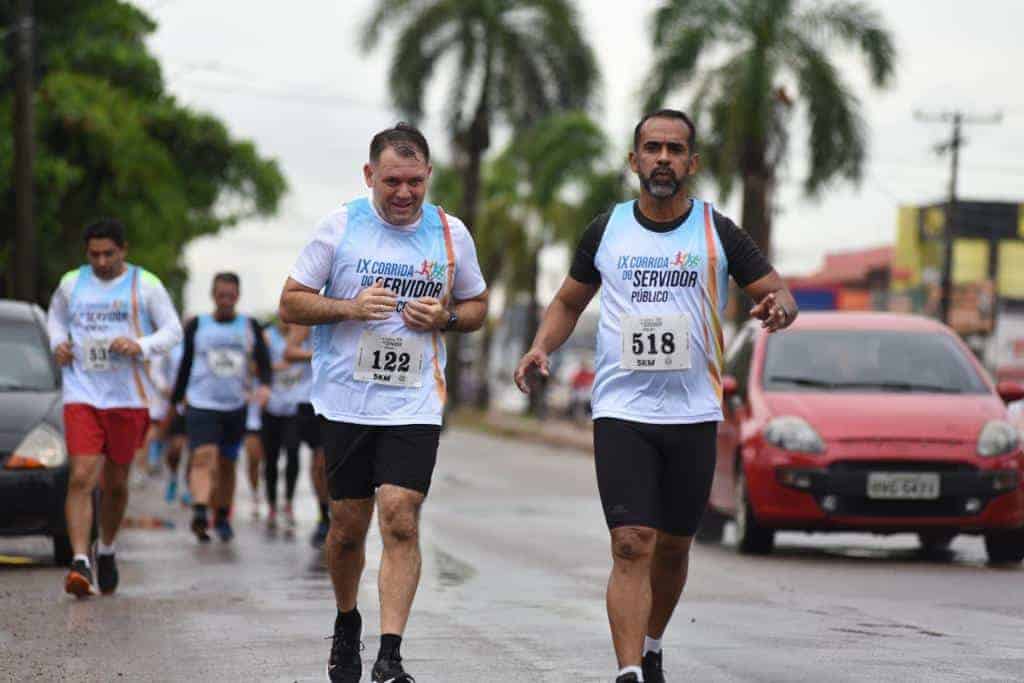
[
  {"x": 515, "y": 62},
  {"x": 564, "y": 183},
  {"x": 766, "y": 47}
]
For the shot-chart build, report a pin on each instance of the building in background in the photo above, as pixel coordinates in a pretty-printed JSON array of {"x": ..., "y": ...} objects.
[{"x": 987, "y": 303}]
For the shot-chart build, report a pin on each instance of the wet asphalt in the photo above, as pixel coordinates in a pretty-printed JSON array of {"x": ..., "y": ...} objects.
[{"x": 515, "y": 563}]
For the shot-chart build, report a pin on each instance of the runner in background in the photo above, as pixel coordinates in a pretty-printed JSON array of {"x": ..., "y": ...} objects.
[
  {"x": 280, "y": 428},
  {"x": 300, "y": 350},
  {"x": 104, "y": 320},
  {"x": 213, "y": 378},
  {"x": 252, "y": 444},
  {"x": 172, "y": 429}
]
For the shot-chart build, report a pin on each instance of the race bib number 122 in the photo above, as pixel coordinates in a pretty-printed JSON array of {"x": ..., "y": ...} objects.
[
  {"x": 655, "y": 342},
  {"x": 393, "y": 360}
]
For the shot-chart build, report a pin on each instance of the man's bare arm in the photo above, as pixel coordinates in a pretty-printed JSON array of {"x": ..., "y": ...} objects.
[
  {"x": 775, "y": 305},
  {"x": 559, "y": 321},
  {"x": 306, "y": 306},
  {"x": 471, "y": 313},
  {"x": 294, "y": 351}
]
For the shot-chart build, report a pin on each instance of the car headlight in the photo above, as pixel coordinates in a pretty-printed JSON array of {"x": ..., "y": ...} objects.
[
  {"x": 998, "y": 438},
  {"x": 43, "y": 447},
  {"x": 793, "y": 434}
]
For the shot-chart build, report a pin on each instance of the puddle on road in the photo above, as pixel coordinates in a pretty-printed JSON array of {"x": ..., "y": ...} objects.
[{"x": 451, "y": 571}]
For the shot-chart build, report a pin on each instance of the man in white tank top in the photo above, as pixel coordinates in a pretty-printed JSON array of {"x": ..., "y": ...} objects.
[
  {"x": 662, "y": 264},
  {"x": 381, "y": 279}
]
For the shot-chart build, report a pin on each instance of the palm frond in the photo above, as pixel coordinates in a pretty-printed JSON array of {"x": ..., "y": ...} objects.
[
  {"x": 386, "y": 12},
  {"x": 837, "y": 140},
  {"x": 675, "y": 16},
  {"x": 856, "y": 25},
  {"x": 675, "y": 65}
]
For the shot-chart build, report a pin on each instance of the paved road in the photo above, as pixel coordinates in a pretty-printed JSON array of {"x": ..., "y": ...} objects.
[{"x": 515, "y": 561}]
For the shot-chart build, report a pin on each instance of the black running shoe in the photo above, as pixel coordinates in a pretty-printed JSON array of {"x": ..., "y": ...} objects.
[
  {"x": 390, "y": 671},
  {"x": 628, "y": 678},
  {"x": 78, "y": 582},
  {"x": 345, "y": 664},
  {"x": 106, "y": 573},
  {"x": 652, "y": 668},
  {"x": 201, "y": 528},
  {"x": 320, "y": 535},
  {"x": 224, "y": 531}
]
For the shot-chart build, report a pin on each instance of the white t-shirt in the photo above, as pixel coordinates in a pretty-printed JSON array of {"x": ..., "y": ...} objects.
[
  {"x": 351, "y": 248},
  {"x": 91, "y": 312}
]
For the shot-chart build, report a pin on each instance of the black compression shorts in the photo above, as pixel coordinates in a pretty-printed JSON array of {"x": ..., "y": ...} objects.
[
  {"x": 308, "y": 426},
  {"x": 360, "y": 458},
  {"x": 656, "y": 476}
]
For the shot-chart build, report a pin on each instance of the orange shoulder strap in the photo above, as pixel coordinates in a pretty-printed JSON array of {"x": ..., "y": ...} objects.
[
  {"x": 136, "y": 323},
  {"x": 449, "y": 249}
]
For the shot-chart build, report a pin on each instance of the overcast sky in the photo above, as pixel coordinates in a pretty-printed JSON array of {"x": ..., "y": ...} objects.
[{"x": 290, "y": 77}]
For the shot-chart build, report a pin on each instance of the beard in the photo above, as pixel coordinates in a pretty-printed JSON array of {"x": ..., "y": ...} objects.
[{"x": 661, "y": 184}]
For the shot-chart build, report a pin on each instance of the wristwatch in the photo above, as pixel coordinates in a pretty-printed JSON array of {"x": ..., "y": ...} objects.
[{"x": 452, "y": 319}]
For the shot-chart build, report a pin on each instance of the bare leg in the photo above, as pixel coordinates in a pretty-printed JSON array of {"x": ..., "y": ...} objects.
[
  {"x": 224, "y": 485},
  {"x": 629, "y": 591},
  {"x": 114, "y": 484},
  {"x": 202, "y": 470},
  {"x": 175, "y": 447},
  {"x": 668, "y": 577},
  {"x": 318, "y": 472},
  {"x": 85, "y": 473},
  {"x": 399, "y": 513},
  {"x": 346, "y": 548},
  {"x": 253, "y": 459}
]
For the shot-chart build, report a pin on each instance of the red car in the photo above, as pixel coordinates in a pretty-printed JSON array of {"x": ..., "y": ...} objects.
[{"x": 871, "y": 422}]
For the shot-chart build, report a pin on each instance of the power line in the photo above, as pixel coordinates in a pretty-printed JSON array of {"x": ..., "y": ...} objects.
[{"x": 952, "y": 147}]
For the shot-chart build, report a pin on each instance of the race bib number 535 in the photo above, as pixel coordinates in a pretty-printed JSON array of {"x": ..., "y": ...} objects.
[{"x": 655, "y": 342}]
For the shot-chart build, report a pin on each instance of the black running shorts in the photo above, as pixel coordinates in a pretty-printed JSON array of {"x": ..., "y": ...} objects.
[
  {"x": 308, "y": 425},
  {"x": 221, "y": 428},
  {"x": 360, "y": 458},
  {"x": 654, "y": 475}
]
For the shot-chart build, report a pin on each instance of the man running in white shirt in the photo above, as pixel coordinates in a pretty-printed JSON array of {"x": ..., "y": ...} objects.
[
  {"x": 105, "y": 319},
  {"x": 381, "y": 279}
]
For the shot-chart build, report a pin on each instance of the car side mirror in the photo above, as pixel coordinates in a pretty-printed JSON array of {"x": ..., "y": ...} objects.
[
  {"x": 729, "y": 386},
  {"x": 1008, "y": 390}
]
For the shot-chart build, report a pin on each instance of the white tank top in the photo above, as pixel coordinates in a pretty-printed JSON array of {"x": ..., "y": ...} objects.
[
  {"x": 220, "y": 363},
  {"x": 654, "y": 285},
  {"x": 382, "y": 372},
  {"x": 99, "y": 313}
]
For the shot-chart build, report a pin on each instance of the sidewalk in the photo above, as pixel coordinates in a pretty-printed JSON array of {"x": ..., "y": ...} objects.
[{"x": 556, "y": 432}]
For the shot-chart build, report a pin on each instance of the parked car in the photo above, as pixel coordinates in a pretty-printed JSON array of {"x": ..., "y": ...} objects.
[
  {"x": 871, "y": 422},
  {"x": 33, "y": 457}
]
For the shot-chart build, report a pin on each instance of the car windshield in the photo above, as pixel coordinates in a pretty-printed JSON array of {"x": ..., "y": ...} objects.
[
  {"x": 869, "y": 360},
  {"x": 24, "y": 359}
]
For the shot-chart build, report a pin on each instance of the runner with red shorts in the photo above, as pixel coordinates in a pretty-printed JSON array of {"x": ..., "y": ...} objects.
[{"x": 105, "y": 320}]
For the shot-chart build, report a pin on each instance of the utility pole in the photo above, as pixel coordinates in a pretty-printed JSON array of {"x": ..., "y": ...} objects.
[
  {"x": 952, "y": 146},
  {"x": 24, "y": 262}
]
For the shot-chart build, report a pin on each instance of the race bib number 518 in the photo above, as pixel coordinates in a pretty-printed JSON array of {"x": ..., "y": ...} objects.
[{"x": 655, "y": 342}]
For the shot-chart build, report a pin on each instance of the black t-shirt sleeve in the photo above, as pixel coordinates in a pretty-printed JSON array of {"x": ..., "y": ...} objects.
[
  {"x": 185, "y": 367},
  {"x": 746, "y": 262},
  {"x": 584, "y": 267}
]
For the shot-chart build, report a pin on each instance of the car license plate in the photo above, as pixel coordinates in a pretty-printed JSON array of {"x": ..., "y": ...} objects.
[{"x": 903, "y": 485}]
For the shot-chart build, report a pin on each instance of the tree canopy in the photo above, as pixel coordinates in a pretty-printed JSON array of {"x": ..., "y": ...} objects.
[
  {"x": 747, "y": 62},
  {"x": 111, "y": 142}
]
